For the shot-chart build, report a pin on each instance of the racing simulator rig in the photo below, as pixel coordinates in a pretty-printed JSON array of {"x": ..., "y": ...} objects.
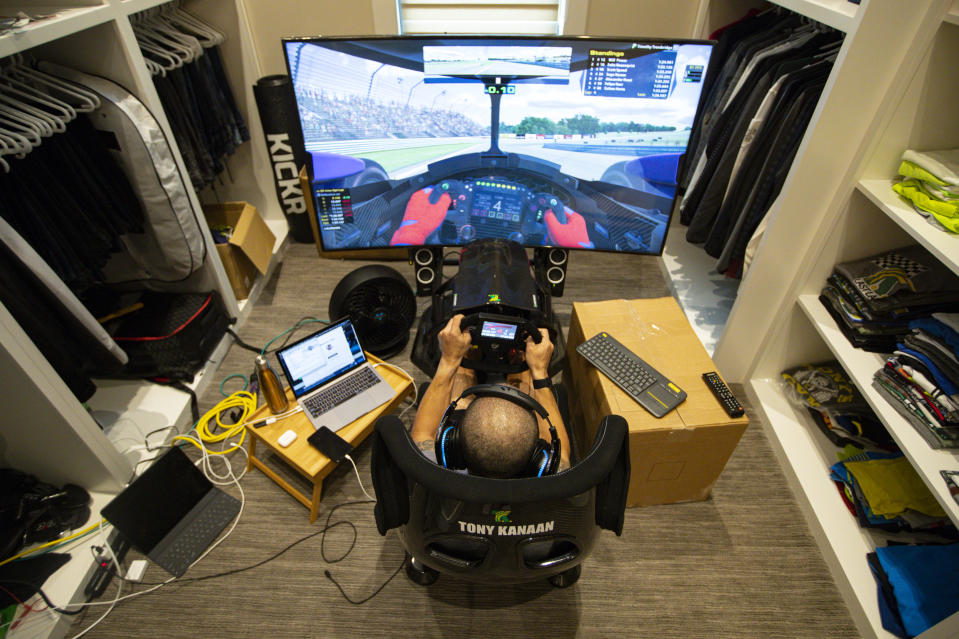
[{"x": 489, "y": 146}]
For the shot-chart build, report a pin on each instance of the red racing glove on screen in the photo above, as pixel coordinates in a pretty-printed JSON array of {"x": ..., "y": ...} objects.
[
  {"x": 423, "y": 215},
  {"x": 570, "y": 235}
]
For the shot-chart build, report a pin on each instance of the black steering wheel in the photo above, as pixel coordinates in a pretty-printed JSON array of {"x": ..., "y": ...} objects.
[{"x": 499, "y": 339}]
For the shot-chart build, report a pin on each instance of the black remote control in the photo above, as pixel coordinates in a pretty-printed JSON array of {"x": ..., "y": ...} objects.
[{"x": 730, "y": 404}]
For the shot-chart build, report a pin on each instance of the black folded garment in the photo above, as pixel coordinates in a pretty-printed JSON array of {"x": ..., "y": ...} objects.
[
  {"x": 905, "y": 277},
  {"x": 24, "y": 578},
  {"x": 860, "y": 336}
]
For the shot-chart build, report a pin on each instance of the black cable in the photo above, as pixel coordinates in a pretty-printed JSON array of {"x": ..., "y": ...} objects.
[
  {"x": 375, "y": 592},
  {"x": 241, "y": 343},
  {"x": 43, "y": 595},
  {"x": 301, "y": 322},
  {"x": 326, "y": 528}
]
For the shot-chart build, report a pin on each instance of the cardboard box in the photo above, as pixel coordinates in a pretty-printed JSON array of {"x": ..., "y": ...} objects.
[
  {"x": 361, "y": 254},
  {"x": 674, "y": 458},
  {"x": 250, "y": 246}
]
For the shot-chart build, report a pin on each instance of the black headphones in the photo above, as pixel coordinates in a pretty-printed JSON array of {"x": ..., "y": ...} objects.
[{"x": 449, "y": 452}]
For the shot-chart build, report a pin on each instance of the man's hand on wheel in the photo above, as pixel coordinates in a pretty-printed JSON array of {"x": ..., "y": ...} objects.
[
  {"x": 454, "y": 342},
  {"x": 424, "y": 214},
  {"x": 572, "y": 234},
  {"x": 539, "y": 355}
]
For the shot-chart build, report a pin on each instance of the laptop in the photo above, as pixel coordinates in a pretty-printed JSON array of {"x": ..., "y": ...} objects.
[
  {"x": 172, "y": 512},
  {"x": 331, "y": 377}
]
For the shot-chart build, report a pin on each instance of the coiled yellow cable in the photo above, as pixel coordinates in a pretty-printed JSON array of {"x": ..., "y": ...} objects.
[{"x": 244, "y": 400}]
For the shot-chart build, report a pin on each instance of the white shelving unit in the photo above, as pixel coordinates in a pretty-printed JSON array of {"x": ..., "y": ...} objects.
[
  {"x": 892, "y": 88},
  {"x": 46, "y": 431}
]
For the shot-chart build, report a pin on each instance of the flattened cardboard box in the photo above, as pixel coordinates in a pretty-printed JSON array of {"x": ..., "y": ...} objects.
[
  {"x": 250, "y": 247},
  {"x": 674, "y": 458}
]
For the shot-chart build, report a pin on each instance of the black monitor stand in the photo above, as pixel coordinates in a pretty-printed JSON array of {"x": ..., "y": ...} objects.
[{"x": 540, "y": 284}]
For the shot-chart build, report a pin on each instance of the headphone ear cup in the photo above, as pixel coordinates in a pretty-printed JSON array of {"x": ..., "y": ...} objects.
[
  {"x": 448, "y": 453},
  {"x": 541, "y": 461}
]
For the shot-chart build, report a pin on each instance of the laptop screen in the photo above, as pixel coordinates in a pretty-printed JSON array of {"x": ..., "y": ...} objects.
[
  {"x": 320, "y": 357},
  {"x": 156, "y": 501}
]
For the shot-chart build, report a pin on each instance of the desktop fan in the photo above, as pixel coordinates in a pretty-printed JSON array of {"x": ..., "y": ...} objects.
[{"x": 381, "y": 304}]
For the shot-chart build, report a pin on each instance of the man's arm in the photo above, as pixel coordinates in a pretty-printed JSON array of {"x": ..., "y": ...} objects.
[
  {"x": 537, "y": 358},
  {"x": 454, "y": 344}
]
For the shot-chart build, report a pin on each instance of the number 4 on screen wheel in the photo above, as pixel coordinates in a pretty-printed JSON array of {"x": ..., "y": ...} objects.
[{"x": 330, "y": 444}]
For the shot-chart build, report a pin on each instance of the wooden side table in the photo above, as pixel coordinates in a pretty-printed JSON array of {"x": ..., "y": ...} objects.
[{"x": 300, "y": 455}]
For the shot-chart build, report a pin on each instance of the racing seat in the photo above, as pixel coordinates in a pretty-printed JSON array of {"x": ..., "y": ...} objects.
[{"x": 498, "y": 530}]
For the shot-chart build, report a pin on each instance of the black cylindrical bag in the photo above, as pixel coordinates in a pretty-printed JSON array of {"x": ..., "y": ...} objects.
[{"x": 284, "y": 143}]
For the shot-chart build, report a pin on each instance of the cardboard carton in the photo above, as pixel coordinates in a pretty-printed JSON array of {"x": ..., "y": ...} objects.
[
  {"x": 249, "y": 248},
  {"x": 674, "y": 458}
]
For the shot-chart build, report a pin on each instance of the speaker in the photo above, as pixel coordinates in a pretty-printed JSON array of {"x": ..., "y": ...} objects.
[
  {"x": 427, "y": 269},
  {"x": 550, "y": 266}
]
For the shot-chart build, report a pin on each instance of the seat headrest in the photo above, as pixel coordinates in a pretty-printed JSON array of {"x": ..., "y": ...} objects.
[{"x": 606, "y": 454}]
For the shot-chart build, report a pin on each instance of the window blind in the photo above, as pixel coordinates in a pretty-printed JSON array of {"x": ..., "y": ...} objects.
[{"x": 534, "y": 17}]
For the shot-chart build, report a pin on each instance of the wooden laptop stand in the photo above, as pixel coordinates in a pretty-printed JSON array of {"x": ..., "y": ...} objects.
[{"x": 300, "y": 455}]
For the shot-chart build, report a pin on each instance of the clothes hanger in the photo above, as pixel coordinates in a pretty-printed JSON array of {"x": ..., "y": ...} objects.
[
  {"x": 165, "y": 29},
  {"x": 165, "y": 59},
  {"x": 49, "y": 123},
  {"x": 28, "y": 137},
  {"x": 145, "y": 30},
  {"x": 36, "y": 101},
  {"x": 24, "y": 115},
  {"x": 41, "y": 98},
  {"x": 207, "y": 35},
  {"x": 147, "y": 44},
  {"x": 84, "y": 100}
]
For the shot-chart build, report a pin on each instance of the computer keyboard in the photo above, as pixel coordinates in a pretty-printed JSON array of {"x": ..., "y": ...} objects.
[
  {"x": 196, "y": 532},
  {"x": 341, "y": 391},
  {"x": 642, "y": 382}
]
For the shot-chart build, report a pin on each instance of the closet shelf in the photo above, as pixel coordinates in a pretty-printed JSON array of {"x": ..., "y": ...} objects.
[
  {"x": 129, "y": 409},
  {"x": 838, "y": 14},
  {"x": 953, "y": 15},
  {"x": 805, "y": 455},
  {"x": 860, "y": 366},
  {"x": 135, "y": 6},
  {"x": 944, "y": 246},
  {"x": 68, "y": 20},
  {"x": 69, "y": 582}
]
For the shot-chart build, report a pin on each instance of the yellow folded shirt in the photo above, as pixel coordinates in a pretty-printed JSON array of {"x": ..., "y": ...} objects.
[
  {"x": 946, "y": 212},
  {"x": 892, "y": 485}
]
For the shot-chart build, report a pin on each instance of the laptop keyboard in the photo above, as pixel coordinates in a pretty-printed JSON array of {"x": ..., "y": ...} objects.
[
  {"x": 341, "y": 391},
  {"x": 199, "y": 533}
]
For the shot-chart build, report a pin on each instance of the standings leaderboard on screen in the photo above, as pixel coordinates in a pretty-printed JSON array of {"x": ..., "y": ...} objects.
[
  {"x": 334, "y": 207},
  {"x": 632, "y": 72}
]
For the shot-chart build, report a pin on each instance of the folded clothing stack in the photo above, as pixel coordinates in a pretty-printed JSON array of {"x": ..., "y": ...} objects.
[
  {"x": 873, "y": 299},
  {"x": 917, "y": 585},
  {"x": 929, "y": 180},
  {"x": 921, "y": 378},
  {"x": 836, "y": 405},
  {"x": 883, "y": 491}
]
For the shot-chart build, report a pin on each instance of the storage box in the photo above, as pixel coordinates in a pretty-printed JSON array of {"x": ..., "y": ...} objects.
[
  {"x": 250, "y": 245},
  {"x": 362, "y": 254},
  {"x": 674, "y": 458}
]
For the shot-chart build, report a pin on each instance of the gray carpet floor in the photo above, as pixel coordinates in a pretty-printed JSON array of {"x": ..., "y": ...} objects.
[{"x": 740, "y": 564}]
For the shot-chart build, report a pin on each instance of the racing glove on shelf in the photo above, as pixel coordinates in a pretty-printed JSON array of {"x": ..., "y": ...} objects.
[
  {"x": 424, "y": 214},
  {"x": 570, "y": 235}
]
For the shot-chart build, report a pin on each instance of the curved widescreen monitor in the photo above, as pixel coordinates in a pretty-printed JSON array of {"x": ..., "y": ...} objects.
[{"x": 546, "y": 141}]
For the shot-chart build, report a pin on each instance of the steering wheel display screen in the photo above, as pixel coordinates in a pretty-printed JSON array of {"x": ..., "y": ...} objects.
[
  {"x": 497, "y": 201},
  {"x": 498, "y": 330}
]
